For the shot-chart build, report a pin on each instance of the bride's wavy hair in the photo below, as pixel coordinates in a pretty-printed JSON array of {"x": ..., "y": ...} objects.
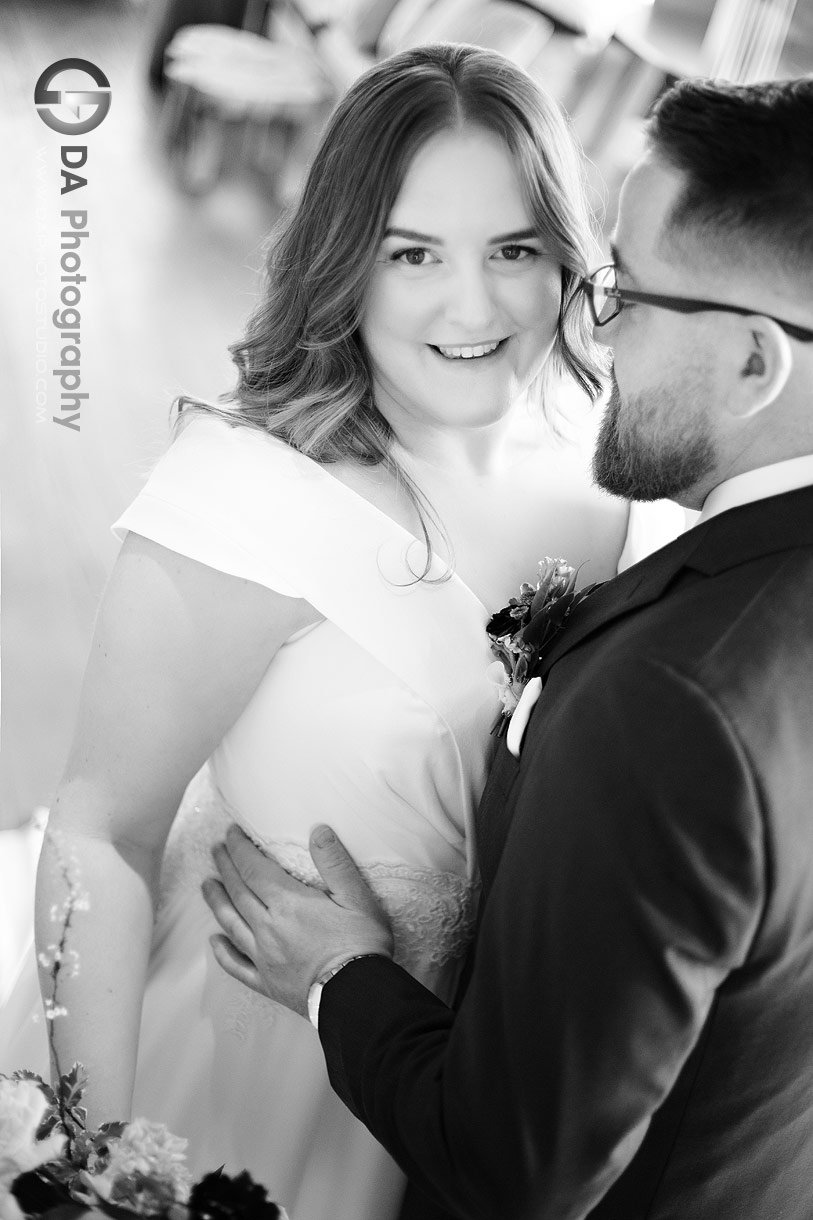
[{"x": 303, "y": 374}]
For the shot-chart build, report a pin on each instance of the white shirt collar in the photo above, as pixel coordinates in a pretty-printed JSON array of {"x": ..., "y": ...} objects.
[{"x": 758, "y": 485}]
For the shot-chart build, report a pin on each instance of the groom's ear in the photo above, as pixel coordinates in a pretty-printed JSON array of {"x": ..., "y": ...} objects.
[{"x": 765, "y": 362}]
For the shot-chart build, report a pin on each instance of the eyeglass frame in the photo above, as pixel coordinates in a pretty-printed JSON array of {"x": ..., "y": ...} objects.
[{"x": 625, "y": 296}]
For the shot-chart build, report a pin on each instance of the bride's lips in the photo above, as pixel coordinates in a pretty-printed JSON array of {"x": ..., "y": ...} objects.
[{"x": 468, "y": 353}]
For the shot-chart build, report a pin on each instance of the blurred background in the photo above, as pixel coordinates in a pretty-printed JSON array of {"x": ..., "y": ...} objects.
[{"x": 216, "y": 105}]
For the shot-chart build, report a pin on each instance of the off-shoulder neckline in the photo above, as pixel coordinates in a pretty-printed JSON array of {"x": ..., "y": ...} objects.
[{"x": 322, "y": 470}]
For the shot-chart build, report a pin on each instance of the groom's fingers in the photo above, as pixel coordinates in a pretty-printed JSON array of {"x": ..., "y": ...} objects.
[
  {"x": 235, "y": 964},
  {"x": 258, "y": 872},
  {"x": 229, "y": 918},
  {"x": 243, "y": 895},
  {"x": 339, "y": 871}
]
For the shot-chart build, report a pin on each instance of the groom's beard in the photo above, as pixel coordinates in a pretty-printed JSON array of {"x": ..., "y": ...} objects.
[{"x": 654, "y": 446}]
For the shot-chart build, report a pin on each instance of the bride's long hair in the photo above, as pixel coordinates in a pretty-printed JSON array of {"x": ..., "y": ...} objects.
[{"x": 303, "y": 374}]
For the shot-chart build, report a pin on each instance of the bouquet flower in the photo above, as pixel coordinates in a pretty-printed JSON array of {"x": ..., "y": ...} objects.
[{"x": 53, "y": 1165}]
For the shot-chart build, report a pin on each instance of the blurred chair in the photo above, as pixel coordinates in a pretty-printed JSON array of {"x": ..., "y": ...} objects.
[
  {"x": 591, "y": 20},
  {"x": 168, "y": 16},
  {"x": 582, "y": 30},
  {"x": 737, "y": 40},
  {"x": 745, "y": 38},
  {"x": 231, "y": 92},
  {"x": 516, "y": 30}
]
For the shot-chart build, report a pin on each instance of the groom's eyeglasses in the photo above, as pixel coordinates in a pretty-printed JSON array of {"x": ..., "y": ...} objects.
[{"x": 606, "y": 300}]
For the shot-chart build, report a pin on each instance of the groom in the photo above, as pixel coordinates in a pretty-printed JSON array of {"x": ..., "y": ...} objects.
[{"x": 636, "y": 1037}]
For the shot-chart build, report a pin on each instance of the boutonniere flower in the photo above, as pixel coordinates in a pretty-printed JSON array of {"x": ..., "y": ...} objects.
[{"x": 523, "y": 631}]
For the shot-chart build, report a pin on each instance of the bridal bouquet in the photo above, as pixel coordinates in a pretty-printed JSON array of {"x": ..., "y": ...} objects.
[{"x": 53, "y": 1165}]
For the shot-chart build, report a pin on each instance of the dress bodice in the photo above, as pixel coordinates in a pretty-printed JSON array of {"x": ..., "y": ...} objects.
[{"x": 375, "y": 719}]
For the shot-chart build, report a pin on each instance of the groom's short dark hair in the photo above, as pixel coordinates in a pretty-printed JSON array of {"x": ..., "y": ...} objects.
[{"x": 747, "y": 153}]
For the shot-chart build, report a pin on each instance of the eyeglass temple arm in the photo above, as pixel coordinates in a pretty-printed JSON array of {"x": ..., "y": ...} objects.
[{"x": 685, "y": 305}]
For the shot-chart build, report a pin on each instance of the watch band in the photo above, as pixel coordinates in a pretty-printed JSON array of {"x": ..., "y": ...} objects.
[{"x": 315, "y": 989}]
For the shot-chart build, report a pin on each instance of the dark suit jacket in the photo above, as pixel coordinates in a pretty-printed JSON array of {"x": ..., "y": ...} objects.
[{"x": 636, "y": 1041}]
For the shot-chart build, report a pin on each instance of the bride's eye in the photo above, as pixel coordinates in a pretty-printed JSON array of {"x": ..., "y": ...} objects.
[
  {"x": 413, "y": 256},
  {"x": 515, "y": 254}
]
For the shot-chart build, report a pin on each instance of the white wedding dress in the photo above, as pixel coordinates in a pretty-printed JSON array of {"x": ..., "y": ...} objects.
[{"x": 376, "y": 720}]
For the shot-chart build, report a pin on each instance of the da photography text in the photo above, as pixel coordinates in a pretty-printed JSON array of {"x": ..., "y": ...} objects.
[{"x": 73, "y": 112}]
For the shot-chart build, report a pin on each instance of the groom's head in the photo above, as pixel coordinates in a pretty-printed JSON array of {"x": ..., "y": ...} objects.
[{"x": 717, "y": 213}]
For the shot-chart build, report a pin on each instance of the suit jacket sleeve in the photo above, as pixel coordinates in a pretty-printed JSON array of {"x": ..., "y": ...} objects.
[{"x": 630, "y": 886}]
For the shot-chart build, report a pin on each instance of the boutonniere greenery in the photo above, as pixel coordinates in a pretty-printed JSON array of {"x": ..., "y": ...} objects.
[{"x": 523, "y": 631}]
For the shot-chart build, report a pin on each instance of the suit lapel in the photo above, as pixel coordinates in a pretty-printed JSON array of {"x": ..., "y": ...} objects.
[
  {"x": 637, "y": 586},
  {"x": 779, "y": 523},
  {"x": 643, "y": 583},
  {"x": 782, "y": 523}
]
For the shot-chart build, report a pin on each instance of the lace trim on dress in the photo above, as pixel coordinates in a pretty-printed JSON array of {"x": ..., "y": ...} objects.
[{"x": 431, "y": 912}]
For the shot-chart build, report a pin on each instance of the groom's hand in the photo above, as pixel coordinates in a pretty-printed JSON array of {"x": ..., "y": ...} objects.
[{"x": 280, "y": 935}]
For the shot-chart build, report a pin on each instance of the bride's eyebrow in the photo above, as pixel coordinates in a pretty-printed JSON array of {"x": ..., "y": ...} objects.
[
  {"x": 506, "y": 239},
  {"x": 413, "y": 235},
  {"x": 503, "y": 239}
]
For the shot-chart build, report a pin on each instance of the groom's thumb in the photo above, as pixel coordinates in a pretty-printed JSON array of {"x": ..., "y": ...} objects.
[
  {"x": 323, "y": 838},
  {"x": 338, "y": 869}
]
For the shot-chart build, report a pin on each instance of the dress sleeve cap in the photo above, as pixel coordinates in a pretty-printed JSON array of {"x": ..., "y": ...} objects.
[{"x": 220, "y": 495}]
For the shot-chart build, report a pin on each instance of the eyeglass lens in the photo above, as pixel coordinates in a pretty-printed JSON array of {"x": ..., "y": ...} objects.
[{"x": 606, "y": 305}]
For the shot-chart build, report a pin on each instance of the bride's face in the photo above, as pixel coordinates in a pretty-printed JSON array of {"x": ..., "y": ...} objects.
[{"x": 463, "y": 303}]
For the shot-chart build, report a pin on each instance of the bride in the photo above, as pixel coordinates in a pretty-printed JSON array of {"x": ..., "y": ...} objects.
[{"x": 295, "y": 623}]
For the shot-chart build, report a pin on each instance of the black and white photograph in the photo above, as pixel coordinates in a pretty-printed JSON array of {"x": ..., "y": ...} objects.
[{"x": 406, "y": 643}]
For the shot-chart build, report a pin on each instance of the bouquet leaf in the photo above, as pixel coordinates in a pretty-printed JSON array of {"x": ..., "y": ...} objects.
[{"x": 37, "y": 1194}]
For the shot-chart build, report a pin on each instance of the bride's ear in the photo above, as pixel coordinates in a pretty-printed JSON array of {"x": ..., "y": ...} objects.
[{"x": 766, "y": 362}]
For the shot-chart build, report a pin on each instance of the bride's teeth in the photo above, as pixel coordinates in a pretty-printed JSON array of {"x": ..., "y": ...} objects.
[{"x": 468, "y": 353}]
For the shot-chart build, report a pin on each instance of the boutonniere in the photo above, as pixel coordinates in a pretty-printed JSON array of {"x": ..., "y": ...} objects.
[{"x": 522, "y": 631}]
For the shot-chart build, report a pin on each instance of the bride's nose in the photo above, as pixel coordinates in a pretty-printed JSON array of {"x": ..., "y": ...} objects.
[{"x": 471, "y": 302}]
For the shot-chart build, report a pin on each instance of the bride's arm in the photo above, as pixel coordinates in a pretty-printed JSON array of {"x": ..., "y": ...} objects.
[{"x": 178, "y": 650}]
